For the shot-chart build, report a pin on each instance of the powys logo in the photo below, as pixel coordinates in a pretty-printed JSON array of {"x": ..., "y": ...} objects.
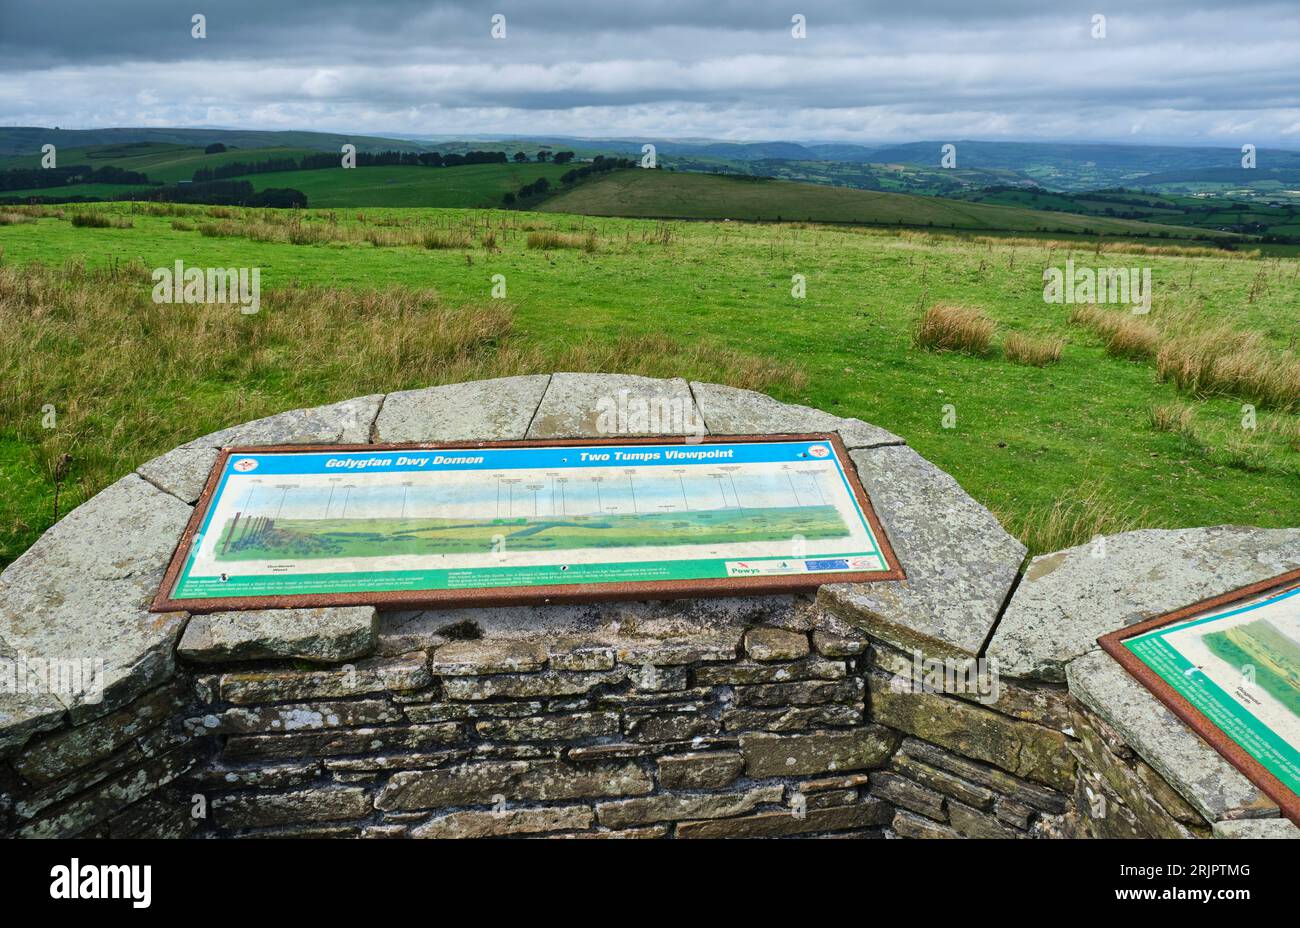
[{"x": 88, "y": 881}]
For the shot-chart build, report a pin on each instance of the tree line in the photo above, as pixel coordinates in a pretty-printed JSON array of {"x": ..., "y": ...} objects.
[
  {"x": 224, "y": 193},
  {"x": 598, "y": 165},
  {"x": 42, "y": 178},
  {"x": 319, "y": 160}
]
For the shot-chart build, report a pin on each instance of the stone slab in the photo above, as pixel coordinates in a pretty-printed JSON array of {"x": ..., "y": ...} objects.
[
  {"x": 960, "y": 562},
  {"x": 731, "y": 411},
  {"x": 768, "y": 755},
  {"x": 1199, "y": 773},
  {"x": 482, "y": 410},
  {"x": 82, "y": 592},
  {"x": 1256, "y": 828},
  {"x": 476, "y": 824},
  {"x": 609, "y": 624},
  {"x": 667, "y": 807},
  {"x": 182, "y": 472},
  {"x": 373, "y": 675},
  {"x": 593, "y": 405},
  {"x": 1018, "y": 747},
  {"x": 26, "y": 705},
  {"x": 1070, "y": 598},
  {"x": 870, "y": 813},
  {"x": 485, "y": 656},
  {"x": 775, "y": 644},
  {"x": 327, "y": 635},
  {"x": 345, "y": 423}
]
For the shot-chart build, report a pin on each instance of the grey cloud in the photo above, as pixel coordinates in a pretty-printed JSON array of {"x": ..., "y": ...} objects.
[{"x": 1168, "y": 70}]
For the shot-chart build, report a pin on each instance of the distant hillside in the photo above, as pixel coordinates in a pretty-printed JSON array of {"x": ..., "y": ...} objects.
[
  {"x": 1018, "y": 156},
  {"x": 161, "y": 161},
  {"x": 474, "y": 185},
  {"x": 666, "y": 194},
  {"x": 27, "y": 140}
]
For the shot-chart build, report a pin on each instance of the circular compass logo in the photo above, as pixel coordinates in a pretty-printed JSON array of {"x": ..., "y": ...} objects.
[
  {"x": 244, "y": 465},
  {"x": 819, "y": 451}
]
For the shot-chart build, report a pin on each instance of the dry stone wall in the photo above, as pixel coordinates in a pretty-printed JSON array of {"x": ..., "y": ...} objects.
[{"x": 844, "y": 714}]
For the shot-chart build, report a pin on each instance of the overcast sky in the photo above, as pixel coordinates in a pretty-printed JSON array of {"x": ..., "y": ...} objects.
[{"x": 1180, "y": 71}]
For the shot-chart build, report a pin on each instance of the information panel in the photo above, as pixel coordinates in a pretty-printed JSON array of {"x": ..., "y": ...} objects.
[
  {"x": 525, "y": 522},
  {"x": 1230, "y": 667}
]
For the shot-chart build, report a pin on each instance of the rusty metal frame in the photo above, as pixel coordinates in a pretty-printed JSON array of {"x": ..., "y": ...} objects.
[
  {"x": 531, "y": 595},
  {"x": 1253, "y": 770}
]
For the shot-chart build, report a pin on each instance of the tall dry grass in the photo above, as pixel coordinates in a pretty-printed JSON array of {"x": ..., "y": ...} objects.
[
  {"x": 1222, "y": 360},
  {"x": 1119, "y": 247},
  {"x": 1178, "y": 418},
  {"x": 1036, "y": 352},
  {"x": 1204, "y": 359},
  {"x": 1125, "y": 334},
  {"x": 950, "y": 327},
  {"x": 1071, "y": 522},
  {"x": 551, "y": 238},
  {"x": 447, "y": 238},
  {"x": 97, "y": 220},
  {"x": 130, "y": 379}
]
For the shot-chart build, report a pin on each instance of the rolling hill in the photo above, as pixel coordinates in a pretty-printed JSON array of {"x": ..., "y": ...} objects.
[
  {"x": 475, "y": 185},
  {"x": 672, "y": 195},
  {"x": 470, "y": 185},
  {"x": 161, "y": 161}
]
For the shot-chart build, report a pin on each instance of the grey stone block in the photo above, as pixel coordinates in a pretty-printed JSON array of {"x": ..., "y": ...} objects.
[
  {"x": 960, "y": 562},
  {"x": 483, "y": 410},
  {"x": 182, "y": 472},
  {"x": 82, "y": 592},
  {"x": 26, "y": 705},
  {"x": 328, "y": 635},
  {"x": 614, "y": 405},
  {"x": 483, "y": 656},
  {"x": 344, "y": 423},
  {"x": 1070, "y": 598},
  {"x": 1198, "y": 772},
  {"x": 1256, "y": 828}
]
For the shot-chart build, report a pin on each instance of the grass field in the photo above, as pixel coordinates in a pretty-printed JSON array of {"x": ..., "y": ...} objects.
[
  {"x": 161, "y": 162},
  {"x": 1097, "y": 441},
  {"x": 463, "y": 186},
  {"x": 470, "y": 185},
  {"x": 667, "y": 194}
]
